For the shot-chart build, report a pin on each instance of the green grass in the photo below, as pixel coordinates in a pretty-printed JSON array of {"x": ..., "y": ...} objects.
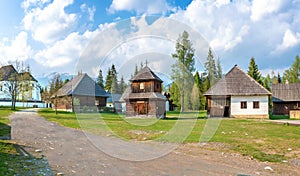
[
  {"x": 11, "y": 162},
  {"x": 278, "y": 117},
  {"x": 261, "y": 139}
]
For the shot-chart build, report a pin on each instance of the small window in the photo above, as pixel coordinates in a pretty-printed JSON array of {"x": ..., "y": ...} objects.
[
  {"x": 255, "y": 104},
  {"x": 142, "y": 86},
  {"x": 243, "y": 104}
]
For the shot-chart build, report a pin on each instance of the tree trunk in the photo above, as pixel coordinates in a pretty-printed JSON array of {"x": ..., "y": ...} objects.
[{"x": 182, "y": 101}]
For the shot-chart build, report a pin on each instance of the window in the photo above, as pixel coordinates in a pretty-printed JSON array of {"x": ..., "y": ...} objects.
[
  {"x": 142, "y": 86},
  {"x": 243, "y": 104},
  {"x": 255, "y": 104}
]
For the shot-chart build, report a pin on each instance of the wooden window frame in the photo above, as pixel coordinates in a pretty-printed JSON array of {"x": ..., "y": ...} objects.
[
  {"x": 256, "y": 105},
  {"x": 243, "y": 104}
]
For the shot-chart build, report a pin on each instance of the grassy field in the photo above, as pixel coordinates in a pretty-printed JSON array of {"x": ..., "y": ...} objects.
[
  {"x": 251, "y": 137},
  {"x": 11, "y": 162}
]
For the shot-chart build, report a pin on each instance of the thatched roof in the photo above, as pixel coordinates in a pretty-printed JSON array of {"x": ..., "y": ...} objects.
[
  {"x": 82, "y": 85},
  {"x": 286, "y": 92},
  {"x": 7, "y": 72},
  {"x": 145, "y": 74},
  {"x": 237, "y": 82}
]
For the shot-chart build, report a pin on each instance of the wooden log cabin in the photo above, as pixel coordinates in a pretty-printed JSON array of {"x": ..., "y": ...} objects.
[
  {"x": 80, "y": 93},
  {"x": 145, "y": 98},
  {"x": 285, "y": 98}
]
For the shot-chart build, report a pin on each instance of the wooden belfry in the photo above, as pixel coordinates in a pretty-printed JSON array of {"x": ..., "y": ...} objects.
[{"x": 145, "y": 98}]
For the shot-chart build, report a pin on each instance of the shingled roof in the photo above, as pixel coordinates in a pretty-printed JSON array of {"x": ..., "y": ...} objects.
[
  {"x": 82, "y": 85},
  {"x": 286, "y": 92},
  {"x": 145, "y": 74},
  {"x": 6, "y": 72},
  {"x": 237, "y": 82}
]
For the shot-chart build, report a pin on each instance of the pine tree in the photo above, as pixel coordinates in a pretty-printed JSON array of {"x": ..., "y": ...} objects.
[
  {"x": 279, "y": 78},
  {"x": 183, "y": 68},
  {"x": 219, "y": 69},
  {"x": 108, "y": 80},
  {"x": 122, "y": 85},
  {"x": 267, "y": 82},
  {"x": 210, "y": 69},
  {"x": 199, "y": 83},
  {"x": 114, "y": 80},
  {"x": 253, "y": 71},
  {"x": 100, "y": 79}
]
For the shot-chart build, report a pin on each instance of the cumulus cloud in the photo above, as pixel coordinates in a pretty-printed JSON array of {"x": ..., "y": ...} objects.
[
  {"x": 289, "y": 40},
  {"x": 261, "y": 8},
  {"x": 65, "y": 52},
  {"x": 223, "y": 32},
  {"x": 17, "y": 49},
  {"x": 140, "y": 6},
  {"x": 50, "y": 23}
]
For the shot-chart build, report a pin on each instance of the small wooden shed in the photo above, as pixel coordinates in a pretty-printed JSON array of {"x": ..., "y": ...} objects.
[
  {"x": 286, "y": 97},
  {"x": 145, "y": 98},
  {"x": 237, "y": 95}
]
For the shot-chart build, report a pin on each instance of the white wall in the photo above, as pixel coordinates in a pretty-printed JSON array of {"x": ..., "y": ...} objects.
[
  {"x": 235, "y": 108},
  {"x": 34, "y": 95},
  {"x": 25, "y": 104}
]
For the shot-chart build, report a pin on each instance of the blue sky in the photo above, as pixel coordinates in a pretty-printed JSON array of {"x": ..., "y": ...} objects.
[{"x": 52, "y": 35}]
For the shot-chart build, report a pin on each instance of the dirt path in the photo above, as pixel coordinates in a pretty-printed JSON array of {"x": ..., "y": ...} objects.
[{"x": 70, "y": 152}]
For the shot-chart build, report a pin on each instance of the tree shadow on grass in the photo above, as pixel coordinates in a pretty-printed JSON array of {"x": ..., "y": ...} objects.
[{"x": 16, "y": 160}]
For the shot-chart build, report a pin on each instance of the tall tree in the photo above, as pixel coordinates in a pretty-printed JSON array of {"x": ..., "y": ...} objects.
[
  {"x": 184, "y": 66},
  {"x": 292, "y": 75},
  {"x": 267, "y": 82},
  {"x": 13, "y": 83},
  {"x": 210, "y": 69},
  {"x": 279, "y": 78},
  {"x": 199, "y": 83},
  {"x": 195, "y": 97},
  {"x": 175, "y": 94},
  {"x": 108, "y": 80},
  {"x": 100, "y": 79},
  {"x": 219, "y": 70},
  {"x": 253, "y": 71},
  {"x": 122, "y": 85}
]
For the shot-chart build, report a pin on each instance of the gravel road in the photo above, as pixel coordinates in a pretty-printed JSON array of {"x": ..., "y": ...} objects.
[{"x": 70, "y": 152}]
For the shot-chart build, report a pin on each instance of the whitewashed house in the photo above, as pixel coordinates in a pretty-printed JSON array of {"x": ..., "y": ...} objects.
[
  {"x": 28, "y": 92},
  {"x": 237, "y": 95}
]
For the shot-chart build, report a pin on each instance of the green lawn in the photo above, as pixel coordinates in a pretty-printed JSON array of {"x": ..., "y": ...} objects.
[
  {"x": 251, "y": 137},
  {"x": 11, "y": 162}
]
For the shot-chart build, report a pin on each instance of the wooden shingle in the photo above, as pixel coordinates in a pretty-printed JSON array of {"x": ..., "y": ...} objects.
[{"x": 237, "y": 82}]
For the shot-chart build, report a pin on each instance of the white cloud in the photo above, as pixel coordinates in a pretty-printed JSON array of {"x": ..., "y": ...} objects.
[
  {"x": 90, "y": 10},
  {"x": 140, "y": 6},
  {"x": 289, "y": 40},
  {"x": 64, "y": 52},
  {"x": 260, "y": 8},
  {"x": 28, "y": 3},
  {"x": 50, "y": 23},
  {"x": 17, "y": 49},
  {"x": 220, "y": 3},
  {"x": 220, "y": 22}
]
